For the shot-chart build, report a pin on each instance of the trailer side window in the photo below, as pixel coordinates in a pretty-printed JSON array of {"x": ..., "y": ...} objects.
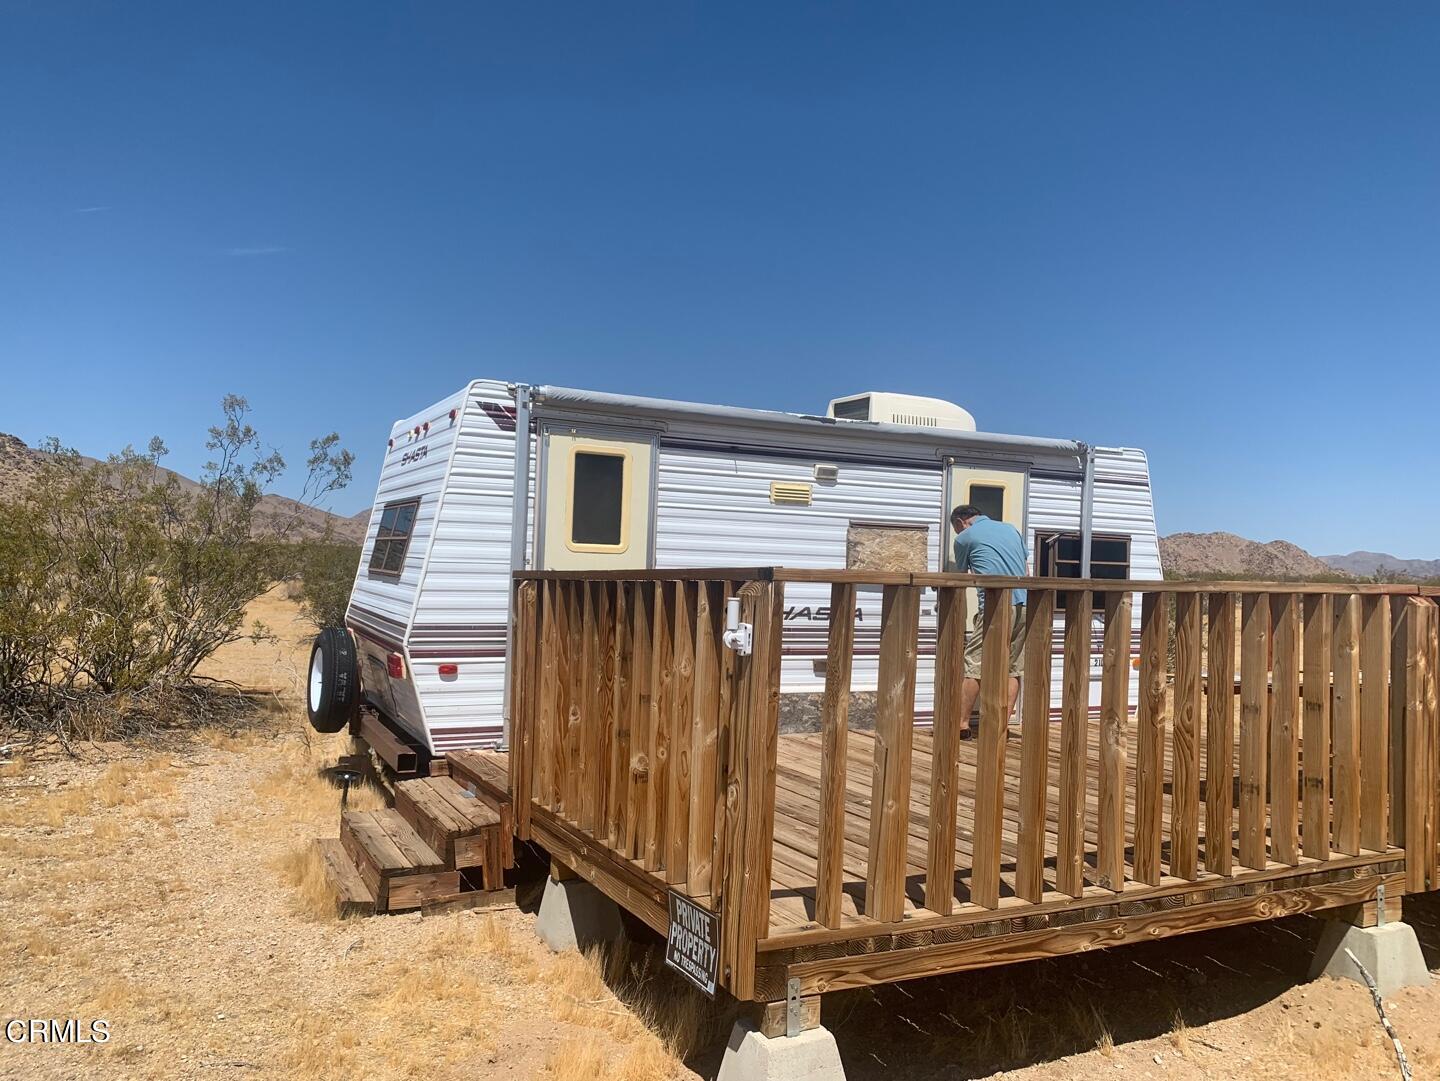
[
  {"x": 597, "y": 500},
  {"x": 1057, "y": 555},
  {"x": 397, "y": 522}
]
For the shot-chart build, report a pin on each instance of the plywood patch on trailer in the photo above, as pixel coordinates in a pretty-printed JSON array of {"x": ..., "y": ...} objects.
[{"x": 874, "y": 546}]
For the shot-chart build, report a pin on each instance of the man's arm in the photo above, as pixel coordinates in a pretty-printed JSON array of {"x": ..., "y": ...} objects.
[{"x": 962, "y": 553}]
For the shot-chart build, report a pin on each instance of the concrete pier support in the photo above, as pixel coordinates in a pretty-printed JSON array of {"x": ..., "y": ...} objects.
[
  {"x": 1374, "y": 933},
  {"x": 752, "y": 1056},
  {"x": 1389, "y": 952},
  {"x": 574, "y": 914}
]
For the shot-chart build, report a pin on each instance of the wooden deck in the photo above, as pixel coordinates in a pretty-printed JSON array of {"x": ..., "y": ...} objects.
[
  {"x": 1281, "y": 755},
  {"x": 794, "y": 864}
]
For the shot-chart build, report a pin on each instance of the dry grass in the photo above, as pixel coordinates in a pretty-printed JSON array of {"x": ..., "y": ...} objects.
[
  {"x": 578, "y": 1059},
  {"x": 322, "y": 1047},
  {"x": 108, "y": 831},
  {"x": 515, "y": 959},
  {"x": 302, "y": 868},
  {"x": 1180, "y": 1034},
  {"x": 382, "y": 1034},
  {"x": 297, "y": 788},
  {"x": 126, "y": 783},
  {"x": 234, "y": 739},
  {"x": 306, "y": 805},
  {"x": 622, "y": 991},
  {"x": 1105, "y": 1041},
  {"x": 49, "y": 809},
  {"x": 39, "y": 944},
  {"x": 121, "y": 784},
  {"x": 120, "y": 999}
]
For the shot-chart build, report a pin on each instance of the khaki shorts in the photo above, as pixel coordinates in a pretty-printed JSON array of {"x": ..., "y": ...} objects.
[{"x": 975, "y": 643}]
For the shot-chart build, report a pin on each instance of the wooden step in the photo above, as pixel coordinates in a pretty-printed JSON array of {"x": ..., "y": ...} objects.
[
  {"x": 487, "y": 775},
  {"x": 395, "y": 863},
  {"x": 352, "y": 896},
  {"x": 456, "y": 823}
]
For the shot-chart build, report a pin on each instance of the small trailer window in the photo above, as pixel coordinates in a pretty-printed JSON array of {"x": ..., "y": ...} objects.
[
  {"x": 1058, "y": 556},
  {"x": 397, "y": 522},
  {"x": 597, "y": 508},
  {"x": 990, "y": 498}
]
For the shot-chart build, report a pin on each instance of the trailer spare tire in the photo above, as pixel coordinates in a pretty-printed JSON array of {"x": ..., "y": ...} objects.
[{"x": 333, "y": 691}]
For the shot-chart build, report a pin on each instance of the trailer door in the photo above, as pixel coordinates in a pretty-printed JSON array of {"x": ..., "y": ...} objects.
[
  {"x": 597, "y": 506},
  {"x": 999, "y": 493}
]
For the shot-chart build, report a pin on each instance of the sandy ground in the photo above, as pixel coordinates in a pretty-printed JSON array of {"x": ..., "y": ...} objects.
[{"x": 169, "y": 892}]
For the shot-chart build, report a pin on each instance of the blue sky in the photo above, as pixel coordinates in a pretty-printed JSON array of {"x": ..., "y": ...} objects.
[{"x": 1212, "y": 231}]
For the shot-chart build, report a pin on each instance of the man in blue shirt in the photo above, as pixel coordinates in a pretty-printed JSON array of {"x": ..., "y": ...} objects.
[{"x": 985, "y": 546}]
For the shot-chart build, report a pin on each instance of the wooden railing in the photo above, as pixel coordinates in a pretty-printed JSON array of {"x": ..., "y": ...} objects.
[
  {"x": 635, "y": 726},
  {"x": 644, "y": 747}
]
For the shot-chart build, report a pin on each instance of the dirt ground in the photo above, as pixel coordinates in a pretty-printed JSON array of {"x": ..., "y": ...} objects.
[{"x": 170, "y": 891}]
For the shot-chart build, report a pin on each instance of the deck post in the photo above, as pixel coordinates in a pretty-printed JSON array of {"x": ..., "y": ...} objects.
[
  {"x": 835, "y": 719},
  {"x": 749, "y": 825},
  {"x": 524, "y": 654},
  {"x": 894, "y": 733}
]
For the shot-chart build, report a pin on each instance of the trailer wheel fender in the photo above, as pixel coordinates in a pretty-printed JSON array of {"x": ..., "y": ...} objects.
[{"x": 332, "y": 691}]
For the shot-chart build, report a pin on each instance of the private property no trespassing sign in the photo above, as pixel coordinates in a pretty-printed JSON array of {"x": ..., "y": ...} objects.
[{"x": 692, "y": 948}]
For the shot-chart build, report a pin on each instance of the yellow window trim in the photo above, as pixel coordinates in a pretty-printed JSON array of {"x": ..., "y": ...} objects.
[{"x": 607, "y": 451}]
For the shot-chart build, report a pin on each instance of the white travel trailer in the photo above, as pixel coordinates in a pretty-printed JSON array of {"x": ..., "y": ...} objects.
[{"x": 503, "y": 476}]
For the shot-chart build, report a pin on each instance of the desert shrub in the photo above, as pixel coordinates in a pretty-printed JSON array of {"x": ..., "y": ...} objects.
[
  {"x": 32, "y": 668},
  {"x": 116, "y": 579},
  {"x": 326, "y": 574}
]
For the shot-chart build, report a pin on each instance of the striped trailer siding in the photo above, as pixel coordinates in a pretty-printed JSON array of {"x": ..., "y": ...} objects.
[
  {"x": 450, "y": 602},
  {"x": 414, "y": 467},
  {"x": 714, "y": 509},
  {"x": 461, "y": 613}
]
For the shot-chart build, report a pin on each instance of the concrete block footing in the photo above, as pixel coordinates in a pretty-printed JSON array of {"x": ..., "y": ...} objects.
[
  {"x": 810, "y": 1056},
  {"x": 1390, "y": 953},
  {"x": 574, "y": 915}
]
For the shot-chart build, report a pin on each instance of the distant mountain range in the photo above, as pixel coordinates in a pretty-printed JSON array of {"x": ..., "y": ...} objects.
[
  {"x": 20, "y": 463},
  {"x": 1225, "y": 555},
  {"x": 1370, "y": 564}
]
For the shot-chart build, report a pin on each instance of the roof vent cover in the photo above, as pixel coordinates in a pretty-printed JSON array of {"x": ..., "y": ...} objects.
[{"x": 880, "y": 407}]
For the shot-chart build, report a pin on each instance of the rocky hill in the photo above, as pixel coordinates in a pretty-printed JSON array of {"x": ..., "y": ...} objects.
[
  {"x": 20, "y": 463},
  {"x": 1225, "y": 555}
]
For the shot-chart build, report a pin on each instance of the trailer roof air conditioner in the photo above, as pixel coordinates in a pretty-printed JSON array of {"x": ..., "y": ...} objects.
[{"x": 908, "y": 409}]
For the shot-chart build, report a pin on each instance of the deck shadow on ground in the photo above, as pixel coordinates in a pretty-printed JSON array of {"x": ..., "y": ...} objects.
[{"x": 975, "y": 1024}]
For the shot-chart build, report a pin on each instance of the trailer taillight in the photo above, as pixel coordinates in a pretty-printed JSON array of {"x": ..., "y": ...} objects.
[
  {"x": 395, "y": 665},
  {"x": 449, "y": 669}
]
